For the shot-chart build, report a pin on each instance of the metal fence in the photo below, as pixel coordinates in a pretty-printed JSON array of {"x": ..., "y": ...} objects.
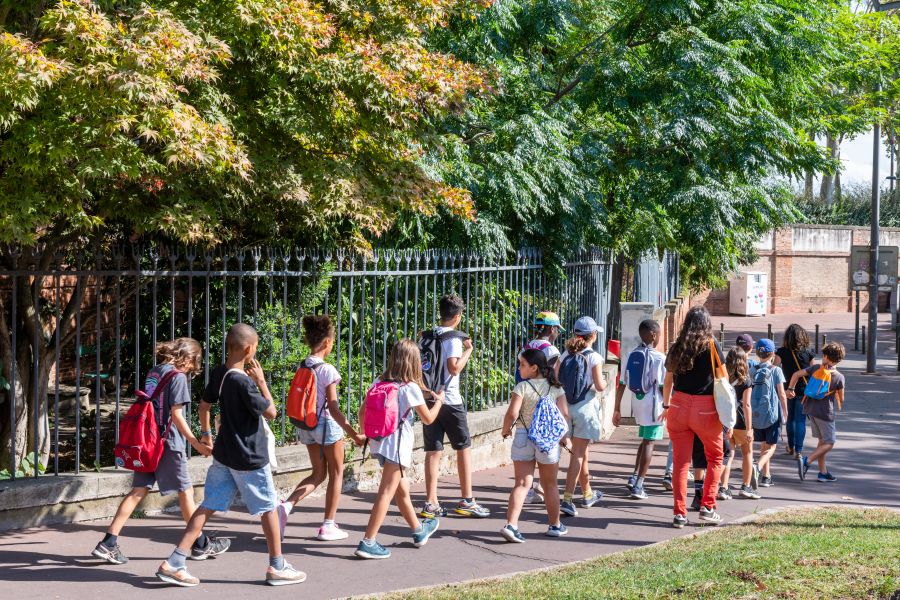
[
  {"x": 657, "y": 281},
  {"x": 99, "y": 317}
]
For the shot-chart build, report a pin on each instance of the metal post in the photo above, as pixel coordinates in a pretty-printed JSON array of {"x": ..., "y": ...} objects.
[
  {"x": 817, "y": 337},
  {"x": 856, "y": 326},
  {"x": 897, "y": 348},
  {"x": 872, "y": 350},
  {"x": 824, "y": 339},
  {"x": 864, "y": 345}
]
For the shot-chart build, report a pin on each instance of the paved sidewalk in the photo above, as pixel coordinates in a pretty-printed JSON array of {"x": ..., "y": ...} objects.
[{"x": 55, "y": 562}]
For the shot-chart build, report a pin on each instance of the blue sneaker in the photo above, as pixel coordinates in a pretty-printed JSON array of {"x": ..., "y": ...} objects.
[
  {"x": 374, "y": 551},
  {"x": 557, "y": 530},
  {"x": 826, "y": 477},
  {"x": 638, "y": 493},
  {"x": 802, "y": 467},
  {"x": 596, "y": 497},
  {"x": 512, "y": 535},
  {"x": 567, "y": 507},
  {"x": 631, "y": 482},
  {"x": 426, "y": 530}
]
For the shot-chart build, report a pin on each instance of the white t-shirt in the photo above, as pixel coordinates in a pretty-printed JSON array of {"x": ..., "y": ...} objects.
[
  {"x": 326, "y": 374},
  {"x": 550, "y": 351},
  {"x": 594, "y": 359},
  {"x": 451, "y": 348},
  {"x": 650, "y": 406},
  {"x": 398, "y": 446}
]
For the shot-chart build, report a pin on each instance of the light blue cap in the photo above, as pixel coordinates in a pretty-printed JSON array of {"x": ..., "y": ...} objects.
[{"x": 586, "y": 326}]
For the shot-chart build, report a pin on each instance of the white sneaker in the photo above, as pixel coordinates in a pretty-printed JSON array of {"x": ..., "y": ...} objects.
[
  {"x": 331, "y": 533},
  {"x": 286, "y": 576},
  {"x": 534, "y": 497},
  {"x": 282, "y": 519}
]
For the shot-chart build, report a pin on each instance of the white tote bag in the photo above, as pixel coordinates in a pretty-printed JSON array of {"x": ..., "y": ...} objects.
[
  {"x": 267, "y": 431},
  {"x": 723, "y": 391}
]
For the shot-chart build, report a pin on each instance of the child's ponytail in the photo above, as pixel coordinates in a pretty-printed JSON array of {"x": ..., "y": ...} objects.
[{"x": 577, "y": 343}]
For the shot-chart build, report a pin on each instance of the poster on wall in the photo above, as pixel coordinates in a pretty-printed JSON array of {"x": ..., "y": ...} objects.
[{"x": 859, "y": 267}]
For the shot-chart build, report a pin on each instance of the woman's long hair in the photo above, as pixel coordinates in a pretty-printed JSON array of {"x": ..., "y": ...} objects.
[
  {"x": 694, "y": 337},
  {"x": 795, "y": 338},
  {"x": 537, "y": 358}
]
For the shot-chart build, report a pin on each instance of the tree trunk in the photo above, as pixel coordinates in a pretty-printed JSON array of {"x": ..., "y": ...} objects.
[
  {"x": 826, "y": 191},
  {"x": 810, "y": 176},
  {"x": 617, "y": 281}
]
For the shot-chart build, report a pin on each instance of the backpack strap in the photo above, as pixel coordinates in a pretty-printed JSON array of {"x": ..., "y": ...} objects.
[
  {"x": 715, "y": 361},
  {"x": 799, "y": 368},
  {"x": 161, "y": 385}
]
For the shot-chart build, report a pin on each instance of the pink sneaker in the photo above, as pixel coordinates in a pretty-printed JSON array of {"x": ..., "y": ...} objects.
[{"x": 331, "y": 533}]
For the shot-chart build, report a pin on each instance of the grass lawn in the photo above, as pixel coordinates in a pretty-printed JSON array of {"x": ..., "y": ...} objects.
[{"x": 808, "y": 553}]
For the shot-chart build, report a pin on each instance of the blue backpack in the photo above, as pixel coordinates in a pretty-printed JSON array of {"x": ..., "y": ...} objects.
[
  {"x": 548, "y": 426},
  {"x": 763, "y": 401},
  {"x": 637, "y": 367},
  {"x": 575, "y": 375}
]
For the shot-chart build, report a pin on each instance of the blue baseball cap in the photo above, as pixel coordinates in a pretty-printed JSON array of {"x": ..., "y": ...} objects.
[
  {"x": 766, "y": 345},
  {"x": 586, "y": 326},
  {"x": 550, "y": 318}
]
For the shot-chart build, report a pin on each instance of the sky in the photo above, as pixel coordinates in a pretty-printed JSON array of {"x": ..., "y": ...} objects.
[{"x": 857, "y": 158}]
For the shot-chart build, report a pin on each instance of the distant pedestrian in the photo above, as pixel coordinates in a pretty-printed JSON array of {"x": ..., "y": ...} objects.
[
  {"x": 581, "y": 375},
  {"x": 539, "y": 384},
  {"x": 690, "y": 410},
  {"x": 167, "y": 385},
  {"x": 824, "y": 389},
  {"x": 643, "y": 375},
  {"x": 795, "y": 354},
  {"x": 400, "y": 389}
]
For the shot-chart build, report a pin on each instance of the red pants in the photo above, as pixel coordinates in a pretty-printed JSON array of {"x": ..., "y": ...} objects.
[{"x": 688, "y": 416}]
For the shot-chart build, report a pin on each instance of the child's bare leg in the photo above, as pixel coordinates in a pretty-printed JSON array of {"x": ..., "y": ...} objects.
[
  {"x": 404, "y": 504},
  {"x": 432, "y": 465},
  {"x": 576, "y": 458},
  {"x": 314, "y": 479},
  {"x": 126, "y": 508},
  {"x": 765, "y": 455},
  {"x": 272, "y": 531},
  {"x": 464, "y": 470},
  {"x": 524, "y": 474},
  {"x": 390, "y": 482},
  {"x": 549, "y": 475},
  {"x": 747, "y": 463},
  {"x": 645, "y": 455},
  {"x": 187, "y": 504},
  {"x": 584, "y": 477},
  {"x": 195, "y": 526},
  {"x": 334, "y": 459},
  {"x": 726, "y": 471}
]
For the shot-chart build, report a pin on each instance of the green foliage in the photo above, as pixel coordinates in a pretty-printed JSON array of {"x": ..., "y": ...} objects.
[
  {"x": 854, "y": 207},
  {"x": 26, "y": 468}
]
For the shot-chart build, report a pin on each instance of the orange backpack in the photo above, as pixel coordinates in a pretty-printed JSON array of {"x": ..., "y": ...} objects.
[{"x": 301, "y": 400}]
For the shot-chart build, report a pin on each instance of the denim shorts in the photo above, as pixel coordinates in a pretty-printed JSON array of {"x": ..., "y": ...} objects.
[
  {"x": 383, "y": 460},
  {"x": 326, "y": 433},
  {"x": 524, "y": 449},
  {"x": 256, "y": 487},
  {"x": 584, "y": 419}
]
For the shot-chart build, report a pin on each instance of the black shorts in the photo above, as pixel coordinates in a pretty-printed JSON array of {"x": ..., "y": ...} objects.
[
  {"x": 452, "y": 421},
  {"x": 698, "y": 456}
]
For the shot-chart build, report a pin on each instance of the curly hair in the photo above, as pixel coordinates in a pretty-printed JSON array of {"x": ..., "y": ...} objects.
[
  {"x": 185, "y": 354},
  {"x": 537, "y": 358},
  {"x": 694, "y": 337},
  {"x": 577, "y": 342},
  {"x": 317, "y": 329},
  {"x": 736, "y": 364},
  {"x": 795, "y": 338}
]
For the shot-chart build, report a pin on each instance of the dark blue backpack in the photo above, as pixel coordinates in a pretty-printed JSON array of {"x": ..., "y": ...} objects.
[{"x": 575, "y": 376}]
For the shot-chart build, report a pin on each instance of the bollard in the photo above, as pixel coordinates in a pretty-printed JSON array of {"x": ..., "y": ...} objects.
[
  {"x": 722, "y": 334},
  {"x": 824, "y": 339},
  {"x": 863, "y": 340},
  {"x": 897, "y": 348},
  {"x": 817, "y": 337},
  {"x": 770, "y": 331},
  {"x": 856, "y": 328}
]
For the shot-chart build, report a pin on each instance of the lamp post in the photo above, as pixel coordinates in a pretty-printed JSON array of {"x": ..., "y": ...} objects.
[{"x": 872, "y": 350}]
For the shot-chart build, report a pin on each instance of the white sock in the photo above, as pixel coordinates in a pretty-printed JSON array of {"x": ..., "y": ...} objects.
[
  {"x": 327, "y": 522},
  {"x": 288, "y": 507}
]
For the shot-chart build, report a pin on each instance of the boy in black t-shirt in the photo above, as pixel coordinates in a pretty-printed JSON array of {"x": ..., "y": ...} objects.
[{"x": 240, "y": 458}]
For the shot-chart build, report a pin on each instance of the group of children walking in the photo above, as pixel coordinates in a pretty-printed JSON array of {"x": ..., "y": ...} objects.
[{"x": 554, "y": 406}]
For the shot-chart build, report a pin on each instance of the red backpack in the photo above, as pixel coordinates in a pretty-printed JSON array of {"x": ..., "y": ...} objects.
[
  {"x": 141, "y": 443},
  {"x": 301, "y": 400}
]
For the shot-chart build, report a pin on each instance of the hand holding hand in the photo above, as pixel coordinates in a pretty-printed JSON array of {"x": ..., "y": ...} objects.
[
  {"x": 201, "y": 448},
  {"x": 437, "y": 397},
  {"x": 790, "y": 393},
  {"x": 358, "y": 439}
]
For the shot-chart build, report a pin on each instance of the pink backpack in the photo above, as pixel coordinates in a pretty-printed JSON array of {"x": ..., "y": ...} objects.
[{"x": 382, "y": 415}]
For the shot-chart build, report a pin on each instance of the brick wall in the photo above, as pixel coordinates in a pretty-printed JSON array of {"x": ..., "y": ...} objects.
[{"x": 808, "y": 269}]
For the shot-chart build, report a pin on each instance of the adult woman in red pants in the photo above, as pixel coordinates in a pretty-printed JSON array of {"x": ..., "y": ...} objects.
[{"x": 689, "y": 410}]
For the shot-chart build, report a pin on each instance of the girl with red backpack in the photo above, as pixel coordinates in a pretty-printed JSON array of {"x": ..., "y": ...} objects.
[
  {"x": 166, "y": 386},
  {"x": 323, "y": 432},
  {"x": 386, "y": 416}
]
